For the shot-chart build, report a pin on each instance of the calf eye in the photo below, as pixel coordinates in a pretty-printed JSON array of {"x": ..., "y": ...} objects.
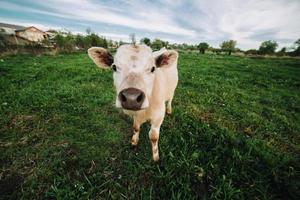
[
  {"x": 152, "y": 69},
  {"x": 114, "y": 67}
]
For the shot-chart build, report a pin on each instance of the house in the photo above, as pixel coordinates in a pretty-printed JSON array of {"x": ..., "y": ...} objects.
[
  {"x": 21, "y": 33},
  {"x": 32, "y": 34}
]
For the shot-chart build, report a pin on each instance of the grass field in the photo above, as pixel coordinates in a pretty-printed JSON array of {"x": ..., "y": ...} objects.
[{"x": 234, "y": 132}]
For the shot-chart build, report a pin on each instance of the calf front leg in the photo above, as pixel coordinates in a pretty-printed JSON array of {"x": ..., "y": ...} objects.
[
  {"x": 154, "y": 136},
  {"x": 136, "y": 131},
  {"x": 169, "y": 106}
]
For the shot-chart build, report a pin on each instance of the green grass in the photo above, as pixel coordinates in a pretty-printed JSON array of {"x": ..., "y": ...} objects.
[{"x": 234, "y": 132}]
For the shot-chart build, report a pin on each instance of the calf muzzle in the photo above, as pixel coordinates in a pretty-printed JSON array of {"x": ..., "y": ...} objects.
[{"x": 131, "y": 98}]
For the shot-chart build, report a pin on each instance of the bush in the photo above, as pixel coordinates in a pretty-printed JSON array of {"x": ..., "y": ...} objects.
[{"x": 251, "y": 52}]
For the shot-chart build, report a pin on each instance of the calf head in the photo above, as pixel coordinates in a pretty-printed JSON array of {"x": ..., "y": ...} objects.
[{"x": 134, "y": 68}]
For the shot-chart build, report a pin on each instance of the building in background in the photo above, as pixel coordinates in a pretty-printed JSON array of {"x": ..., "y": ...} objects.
[
  {"x": 21, "y": 35},
  {"x": 32, "y": 34}
]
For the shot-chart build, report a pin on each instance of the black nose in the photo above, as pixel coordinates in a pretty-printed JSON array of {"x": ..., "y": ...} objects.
[{"x": 131, "y": 98}]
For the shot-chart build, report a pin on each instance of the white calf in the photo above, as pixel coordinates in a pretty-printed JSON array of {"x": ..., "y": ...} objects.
[{"x": 144, "y": 81}]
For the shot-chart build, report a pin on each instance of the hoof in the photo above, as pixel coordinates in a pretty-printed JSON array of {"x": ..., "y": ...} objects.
[
  {"x": 155, "y": 158},
  {"x": 169, "y": 111},
  {"x": 134, "y": 142}
]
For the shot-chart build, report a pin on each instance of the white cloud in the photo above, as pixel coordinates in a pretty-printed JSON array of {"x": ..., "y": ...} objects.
[
  {"x": 19, "y": 8},
  {"x": 243, "y": 20},
  {"x": 95, "y": 12},
  {"x": 248, "y": 22},
  {"x": 115, "y": 36},
  {"x": 26, "y": 23}
]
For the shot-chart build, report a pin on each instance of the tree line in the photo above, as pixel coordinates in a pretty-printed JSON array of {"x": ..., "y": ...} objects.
[
  {"x": 68, "y": 42},
  {"x": 268, "y": 47}
]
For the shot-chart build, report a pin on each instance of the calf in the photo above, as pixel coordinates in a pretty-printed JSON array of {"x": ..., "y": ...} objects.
[{"x": 144, "y": 82}]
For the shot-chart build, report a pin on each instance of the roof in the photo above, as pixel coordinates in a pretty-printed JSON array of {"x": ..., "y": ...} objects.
[
  {"x": 25, "y": 28},
  {"x": 12, "y": 26},
  {"x": 52, "y": 31}
]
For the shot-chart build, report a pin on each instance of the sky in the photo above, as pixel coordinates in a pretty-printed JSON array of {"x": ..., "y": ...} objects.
[{"x": 249, "y": 22}]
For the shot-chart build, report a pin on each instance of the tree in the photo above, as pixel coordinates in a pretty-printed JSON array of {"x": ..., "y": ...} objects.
[
  {"x": 298, "y": 42},
  {"x": 146, "y": 41},
  {"x": 296, "y": 52},
  {"x": 268, "y": 47},
  {"x": 132, "y": 38},
  {"x": 228, "y": 46},
  {"x": 94, "y": 40},
  {"x": 69, "y": 44},
  {"x": 110, "y": 43},
  {"x": 157, "y": 44},
  {"x": 282, "y": 52},
  {"x": 202, "y": 47},
  {"x": 80, "y": 41},
  {"x": 251, "y": 52},
  {"x": 65, "y": 43},
  {"x": 88, "y": 30},
  {"x": 59, "y": 40}
]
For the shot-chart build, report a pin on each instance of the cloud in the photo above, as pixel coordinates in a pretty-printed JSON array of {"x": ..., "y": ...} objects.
[
  {"x": 19, "y": 8},
  {"x": 115, "y": 36},
  {"x": 248, "y": 22},
  {"x": 26, "y": 23},
  {"x": 96, "y": 12}
]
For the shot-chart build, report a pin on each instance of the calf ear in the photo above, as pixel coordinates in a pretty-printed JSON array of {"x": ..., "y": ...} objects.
[
  {"x": 166, "y": 58},
  {"x": 101, "y": 57}
]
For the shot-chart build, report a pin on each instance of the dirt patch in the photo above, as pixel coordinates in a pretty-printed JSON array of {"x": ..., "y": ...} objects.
[
  {"x": 204, "y": 116},
  {"x": 24, "y": 123},
  {"x": 21, "y": 118},
  {"x": 10, "y": 185}
]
